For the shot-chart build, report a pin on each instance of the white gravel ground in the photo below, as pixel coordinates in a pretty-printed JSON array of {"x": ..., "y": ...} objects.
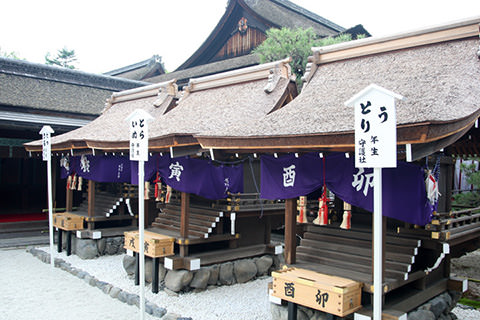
[
  {"x": 31, "y": 289},
  {"x": 240, "y": 301}
]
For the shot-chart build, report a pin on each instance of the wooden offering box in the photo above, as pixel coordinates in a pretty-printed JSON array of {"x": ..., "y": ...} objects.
[
  {"x": 68, "y": 221},
  {"x": 334, "y": 295},
  {"x": 156, "y": 245}
]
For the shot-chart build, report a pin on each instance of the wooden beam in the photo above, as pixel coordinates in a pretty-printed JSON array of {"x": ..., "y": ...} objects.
[{"x": 290, "y": 230}]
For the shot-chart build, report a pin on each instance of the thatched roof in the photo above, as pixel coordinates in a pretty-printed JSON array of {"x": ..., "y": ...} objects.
[
  {"x": 284, "y": 13},
  {"x": 111, "y": 128},
  {"x": 262, "y": 15},
  {"x": 183, "y": 76},
  {"x": 37, "y": 87},
  {"x": 437, "y": 70},
  {"x": 208, "y": 104},
  {"x": 141, "y": 70},
  {"x": 214, "y": 103}
]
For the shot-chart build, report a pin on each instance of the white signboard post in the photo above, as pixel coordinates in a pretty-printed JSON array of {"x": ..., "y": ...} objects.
[
  {"x": 376, "y": 147},
  {"x": 47, "y": 156},
  {"x": 138, "y": 125}
]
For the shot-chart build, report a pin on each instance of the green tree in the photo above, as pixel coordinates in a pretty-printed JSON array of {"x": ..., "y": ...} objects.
[
  {"x": 11, "y": 54},
  {"x": 470, "y": 199},
  {"x": 64, "y": 58},
  {"x": 294, "y": 43}
]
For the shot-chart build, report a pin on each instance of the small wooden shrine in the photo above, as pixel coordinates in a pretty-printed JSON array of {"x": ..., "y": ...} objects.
[
  {"x": 437, "y": 70},
  {"x": 211, "y": 208}
]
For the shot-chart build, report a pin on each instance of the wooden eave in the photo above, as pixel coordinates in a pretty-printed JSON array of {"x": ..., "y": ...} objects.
[{"x": 417, "y": 133}]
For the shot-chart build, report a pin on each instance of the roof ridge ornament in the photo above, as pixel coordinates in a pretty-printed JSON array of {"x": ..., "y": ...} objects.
[{"x": 273, "y": 78}]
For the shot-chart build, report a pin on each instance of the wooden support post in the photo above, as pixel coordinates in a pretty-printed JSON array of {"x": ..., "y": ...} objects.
[
  {"x": 59, "y": 240},
  {"x": 268, "y": 229},
  {"x": 91, "y": 203},
  {"x": 54, "y": 182},
  {"x": 384, "y": 245},
  {"x": 449, "y": 185},
  {"x": 147, "y": 213},
  {"x": 69, "y": 200},
  {"x": 290, "y": 230},
  {"x": 292, "y": 310},
  {"x": 69, "y": 242},
  {"x": 155, "y": 262},
  {"x": 184, "y": 215},
  {"x": 137, "y": 267},
  {"x": 184, "y": 222}
]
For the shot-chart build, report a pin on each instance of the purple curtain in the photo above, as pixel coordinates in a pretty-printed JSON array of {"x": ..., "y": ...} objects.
[
  {"x": 195, "y": 176},
  {"x": 404, "y": 195},
  {"x": 98, "y": 168}
]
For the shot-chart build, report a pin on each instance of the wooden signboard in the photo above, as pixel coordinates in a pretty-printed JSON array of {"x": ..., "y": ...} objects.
[
  {"x": 155, "y": 245},
  {"x": 334, "y": 295},
  {"x": 68, "y": 221}
]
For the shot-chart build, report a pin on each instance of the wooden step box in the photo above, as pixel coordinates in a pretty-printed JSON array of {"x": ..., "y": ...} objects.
[
  {"x": 156, "y": 245},
  {"x": 334, "y": 295}
]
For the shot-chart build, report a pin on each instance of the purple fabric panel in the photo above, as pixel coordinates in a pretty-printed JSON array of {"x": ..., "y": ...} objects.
[
  {"x": 102, "y": 168},
  {"x": 194, "y": 176},
  {"x": 64, "y": 173},
  {"x": 150, "y": 167},
  {"x": 277, "y": 181},
  {"x": 404, "y": 195},
  {"x": 233, "y": 178}
]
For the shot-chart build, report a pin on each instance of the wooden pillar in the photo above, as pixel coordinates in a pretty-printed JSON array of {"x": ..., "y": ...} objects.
[
  {"x": 184, "y": 222},
  {"x": 268, "y": 229},
  {"x": 290, "y": 230},
  {"x": 91, "y": 204},
  {"x": 146, "y": 207},
  {"x": 449, "y": 184},
  {"x": 54, "y": 181},
  {"x": 69, "y": 200}
]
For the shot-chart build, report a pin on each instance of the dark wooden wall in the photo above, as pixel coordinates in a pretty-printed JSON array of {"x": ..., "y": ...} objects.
[{"x": 241, "y": 43}]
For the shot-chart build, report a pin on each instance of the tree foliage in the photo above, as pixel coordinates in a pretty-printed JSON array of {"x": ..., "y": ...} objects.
[
  {"x": 64, "y": 58},
  {"x": 469, "y": 199},
  {"x": 294, "y": 43},
  {"x": 9, "y": 54}
]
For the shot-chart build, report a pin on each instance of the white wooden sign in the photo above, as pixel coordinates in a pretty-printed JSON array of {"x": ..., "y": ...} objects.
[
  {"x": 47, "y": 156},
  {"x": 138, "y": 124},
  {"x": 46, "y": 142},
  {"x": 375, "y": 127}
]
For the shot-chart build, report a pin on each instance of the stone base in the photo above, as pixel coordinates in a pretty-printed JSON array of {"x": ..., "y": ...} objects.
[
  {"x": 228, "y": 273},
  {"x": 90, "y": 249}
]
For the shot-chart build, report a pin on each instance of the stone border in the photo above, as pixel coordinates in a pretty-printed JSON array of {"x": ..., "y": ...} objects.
[
  {"x": 112, "y": 291},
  {"x": 175, "y": 282}
]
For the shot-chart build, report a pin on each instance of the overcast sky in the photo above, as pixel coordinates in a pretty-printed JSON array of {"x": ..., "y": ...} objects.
[{"x": 109, "y": 34}]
